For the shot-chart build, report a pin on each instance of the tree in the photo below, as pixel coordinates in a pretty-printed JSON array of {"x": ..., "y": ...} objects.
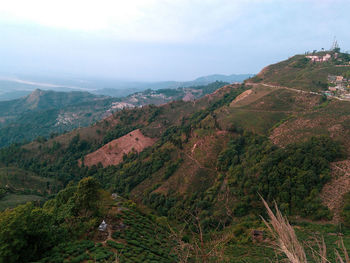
[
  {"x": 87, "y": 196},
  {"x": 26, "y": 232}
]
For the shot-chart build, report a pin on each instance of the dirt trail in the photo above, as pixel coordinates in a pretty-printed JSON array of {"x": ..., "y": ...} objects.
[
  {"x": 292, "y": 89},
  {"x": 333, "y": 192},
  {"x": 109, "y": 237},
  {"x": 193, "y": 148}
]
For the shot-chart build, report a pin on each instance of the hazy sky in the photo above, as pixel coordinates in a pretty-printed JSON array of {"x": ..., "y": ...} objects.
[{"x": 163, "y": 39}]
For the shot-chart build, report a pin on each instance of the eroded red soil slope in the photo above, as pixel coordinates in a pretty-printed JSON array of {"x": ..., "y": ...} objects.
[{"x": 112, "y": 153}]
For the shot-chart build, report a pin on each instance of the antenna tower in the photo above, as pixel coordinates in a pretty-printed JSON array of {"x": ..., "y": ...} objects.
[{"x": 335, "y": 44}]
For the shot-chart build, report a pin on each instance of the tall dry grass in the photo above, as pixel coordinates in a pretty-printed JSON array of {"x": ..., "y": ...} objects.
[{"x": 286, "y": 241}]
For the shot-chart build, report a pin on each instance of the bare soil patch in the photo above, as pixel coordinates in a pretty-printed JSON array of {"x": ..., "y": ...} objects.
[
  {"x": 242, "y": 96},
  {"x": 256, "y": 92},
  {"x": 112, "y": 153}
]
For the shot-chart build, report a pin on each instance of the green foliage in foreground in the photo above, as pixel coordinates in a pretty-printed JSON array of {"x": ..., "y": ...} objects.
[
  {"x": 53, "y": 233},
  {"x": 27, "y": 231},
  {"x": 136, "y": 237},
  {"x": 79, "y": 251},
  {"x": 75, "y": 209}
]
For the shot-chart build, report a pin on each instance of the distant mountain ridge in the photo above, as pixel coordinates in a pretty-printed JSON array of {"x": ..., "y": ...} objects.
[
  {"x": 140, "y": 86},
  {"x": 227, "y": 78},
  {"x": 13, "y": 88},
  {"x": 44, "y": 99},
  {"x": 46, "y": 112}
]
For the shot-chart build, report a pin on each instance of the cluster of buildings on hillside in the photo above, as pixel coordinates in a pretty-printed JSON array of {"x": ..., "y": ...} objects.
[
  {"x": 321, "y": 58},
  {"x": 339, "y": 86},
  {"x": 327, "y": 57}
]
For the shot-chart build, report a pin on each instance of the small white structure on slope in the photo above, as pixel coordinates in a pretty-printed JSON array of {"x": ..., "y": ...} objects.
[{"x": 103, "y": 226}]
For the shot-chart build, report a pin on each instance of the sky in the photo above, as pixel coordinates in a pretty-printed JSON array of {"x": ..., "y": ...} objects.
[{"x": 153, "y": 40}]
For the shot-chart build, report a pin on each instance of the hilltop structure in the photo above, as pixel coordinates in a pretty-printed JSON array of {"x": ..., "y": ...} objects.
[
  {"x": 320, "y": 58},
  {"x": 335, "y": 45}
]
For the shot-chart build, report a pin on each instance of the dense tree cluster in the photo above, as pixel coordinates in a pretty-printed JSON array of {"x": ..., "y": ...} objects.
[
  {"x": 292, "y": 176},
  {"x": 27, "y": 231},
  {"x": 254, "y": 167}
]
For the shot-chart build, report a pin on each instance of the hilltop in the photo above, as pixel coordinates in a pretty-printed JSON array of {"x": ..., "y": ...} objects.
[
  {"x": 306, "y": 72},
  {"x": 301, "y": 79}
]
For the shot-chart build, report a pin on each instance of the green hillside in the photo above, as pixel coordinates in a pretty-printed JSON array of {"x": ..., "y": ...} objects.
[{"x": 197, "y": 191}]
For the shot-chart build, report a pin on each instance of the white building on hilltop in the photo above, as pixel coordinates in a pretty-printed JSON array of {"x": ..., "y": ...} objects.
[{"x": 320, "y": 58}]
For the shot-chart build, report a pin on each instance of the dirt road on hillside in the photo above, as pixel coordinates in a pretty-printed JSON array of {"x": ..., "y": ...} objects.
[{"x": 292, "y": 89}]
